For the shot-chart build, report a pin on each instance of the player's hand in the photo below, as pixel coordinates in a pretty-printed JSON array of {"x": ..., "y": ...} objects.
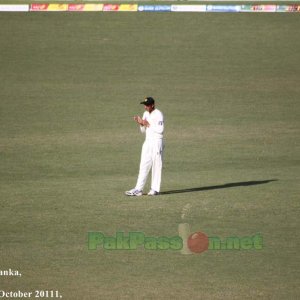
[
  {"x": 140, "y": 121},
  {"x": 146, "y": 123}
]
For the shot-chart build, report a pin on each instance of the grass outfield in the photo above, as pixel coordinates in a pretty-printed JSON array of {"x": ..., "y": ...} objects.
[{"x": 228, "y": 85}]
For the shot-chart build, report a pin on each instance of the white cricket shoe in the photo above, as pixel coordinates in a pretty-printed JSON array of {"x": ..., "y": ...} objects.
[
  {"x": 153, "y": 193},
  {"x": 134, "y": 192}
]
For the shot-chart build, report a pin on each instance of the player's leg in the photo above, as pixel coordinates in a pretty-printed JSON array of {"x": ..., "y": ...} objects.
[
  {"x": 145, "y": 166},
  {"x": 157, "y": 159}
]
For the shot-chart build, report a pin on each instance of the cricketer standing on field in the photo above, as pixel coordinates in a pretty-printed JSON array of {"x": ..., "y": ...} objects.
[{"x": 152, "y": 124}]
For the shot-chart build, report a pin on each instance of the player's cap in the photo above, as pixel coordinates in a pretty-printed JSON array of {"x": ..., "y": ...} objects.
[{"x": 148, "y": 101}]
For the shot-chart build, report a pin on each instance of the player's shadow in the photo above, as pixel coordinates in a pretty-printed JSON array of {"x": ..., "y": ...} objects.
[{"x": 217, "y": 187}]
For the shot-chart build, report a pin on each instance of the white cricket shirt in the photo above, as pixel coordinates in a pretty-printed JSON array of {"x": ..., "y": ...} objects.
[{"x": 156, "y": 121}]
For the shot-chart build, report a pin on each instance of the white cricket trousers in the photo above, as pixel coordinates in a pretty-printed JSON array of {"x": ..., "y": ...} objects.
[{"x": 152, "y": 156}]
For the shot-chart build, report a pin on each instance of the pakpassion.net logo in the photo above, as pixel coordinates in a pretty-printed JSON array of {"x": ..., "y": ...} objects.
[
  {"x": 197, "y": 242},
  {"x": 133, "y": 241}
]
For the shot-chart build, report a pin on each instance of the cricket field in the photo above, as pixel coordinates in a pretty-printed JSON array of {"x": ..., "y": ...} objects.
[{"x": 228, "y": 85}]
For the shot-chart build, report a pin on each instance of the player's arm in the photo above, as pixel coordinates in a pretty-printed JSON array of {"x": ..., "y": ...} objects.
[{"x": 141, "y": 121}]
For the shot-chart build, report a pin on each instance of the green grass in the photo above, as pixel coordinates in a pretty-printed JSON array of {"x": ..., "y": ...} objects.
[{"x": 228, "y": 85}]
